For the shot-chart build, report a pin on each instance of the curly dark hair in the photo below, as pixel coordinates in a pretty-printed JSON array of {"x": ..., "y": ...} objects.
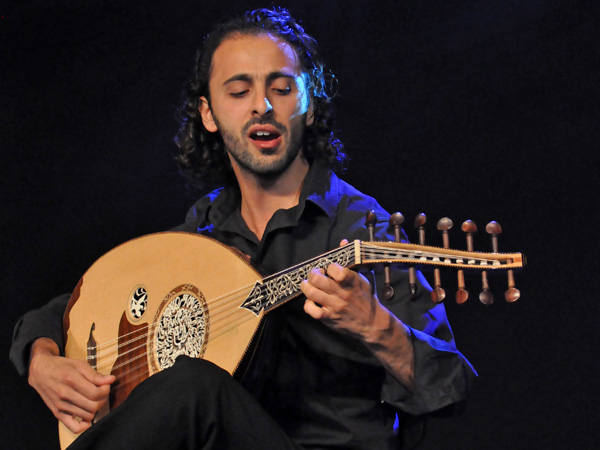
[{"x": 201, "y": 154}]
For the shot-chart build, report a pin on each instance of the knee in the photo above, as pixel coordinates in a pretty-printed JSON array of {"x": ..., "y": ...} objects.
[
  {"x": 195, "y": 374},
  {"x": 187, "y": 377},
  {"x": 193, "y": 370}
]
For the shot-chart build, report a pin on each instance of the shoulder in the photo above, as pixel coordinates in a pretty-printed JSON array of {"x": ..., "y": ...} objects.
[
  {"x": 352, "y": 206},
  {"x": 352, "y": 200},
  {"x": 197, "y": 217}
]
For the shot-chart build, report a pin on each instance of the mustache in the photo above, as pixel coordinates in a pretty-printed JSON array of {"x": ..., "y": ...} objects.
[{"x": 264, "y": 121}]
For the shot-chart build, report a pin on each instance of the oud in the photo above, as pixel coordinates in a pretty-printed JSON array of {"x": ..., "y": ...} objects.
[{"x": 147, "y": 301}]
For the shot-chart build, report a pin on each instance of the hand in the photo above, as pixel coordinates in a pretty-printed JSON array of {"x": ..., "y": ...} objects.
[
  {"x": 72, "y": 389},
  {"x": 344, "y": 300}
]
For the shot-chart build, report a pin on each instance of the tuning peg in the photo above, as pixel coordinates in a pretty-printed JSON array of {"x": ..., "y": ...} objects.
[
  {"x": 512, "y": 294},
  {"x": 494, "y": 229},
  {"x": 438, "y": 294},
  {"x": 486, "y": 297},
  {"x": 396, "y": 220},
  {"x": 445, "y": 224},
  {"x": 462, "y": 295},
  {"x": 470, "y": 229},
  {"x": 420, "y": 225},
  {"x": 370, "y": 222}
]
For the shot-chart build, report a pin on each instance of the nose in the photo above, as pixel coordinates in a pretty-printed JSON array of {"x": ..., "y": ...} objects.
[{"x": 262, "y": 106}]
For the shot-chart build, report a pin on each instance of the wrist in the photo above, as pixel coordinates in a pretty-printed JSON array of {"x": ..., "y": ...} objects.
[
  {"x": 43, "y": 346},
  {"x": 382, "y": 328},
  {"x": 40, "y": 348}
]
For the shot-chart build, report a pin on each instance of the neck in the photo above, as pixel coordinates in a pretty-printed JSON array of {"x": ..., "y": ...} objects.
[{"x": 262, "y": 196}]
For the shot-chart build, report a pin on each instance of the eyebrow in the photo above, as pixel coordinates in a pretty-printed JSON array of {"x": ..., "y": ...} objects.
[{"x": 270, "y": 78}]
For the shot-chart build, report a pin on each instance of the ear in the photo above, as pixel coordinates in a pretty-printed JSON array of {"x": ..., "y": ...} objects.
[
  {"x": 310, "y": 113},
  {"x": 207, "y": 118}
]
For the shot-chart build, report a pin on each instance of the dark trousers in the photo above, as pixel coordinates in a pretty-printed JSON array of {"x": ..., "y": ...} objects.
[{"x": 192, "y": 405}]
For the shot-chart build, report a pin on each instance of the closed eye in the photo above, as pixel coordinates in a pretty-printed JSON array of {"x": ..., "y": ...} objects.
[
  {"x": 239, "y": 94},
  {"x": 284, "y": 91}
]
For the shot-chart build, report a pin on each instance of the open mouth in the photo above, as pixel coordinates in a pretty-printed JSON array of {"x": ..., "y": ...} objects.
[{"x": 265, "y": 136}]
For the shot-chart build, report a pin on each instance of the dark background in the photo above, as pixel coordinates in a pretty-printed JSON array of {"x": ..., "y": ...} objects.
[{"x": 473, "y": 109}]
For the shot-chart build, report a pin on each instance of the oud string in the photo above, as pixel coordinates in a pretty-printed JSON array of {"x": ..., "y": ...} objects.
[
  {"x": 218, "y": 318},
  {"x": 220, "y": 323},
  {"x": 221, "y": 317},
  {"x": 218, "y": 303},
  {"x": 220, "y": 310}
]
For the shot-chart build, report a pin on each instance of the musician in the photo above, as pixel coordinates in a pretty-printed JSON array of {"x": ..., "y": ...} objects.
[{"x": 334, "y": 367}]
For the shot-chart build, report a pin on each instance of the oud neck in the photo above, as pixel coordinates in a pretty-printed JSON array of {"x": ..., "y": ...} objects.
[{"x": 276, "y": 289}]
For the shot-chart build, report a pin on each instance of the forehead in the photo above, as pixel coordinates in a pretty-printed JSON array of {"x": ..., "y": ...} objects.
[{"x": 254, "y": 55}]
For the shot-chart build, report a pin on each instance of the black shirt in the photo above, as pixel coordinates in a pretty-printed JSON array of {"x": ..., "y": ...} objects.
[{"x": 325, "y": 388}]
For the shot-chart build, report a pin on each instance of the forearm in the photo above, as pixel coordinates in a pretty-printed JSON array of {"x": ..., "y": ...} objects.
[
  {"x": 442, "y": 375},
  {"x": 390, "y": 341}
]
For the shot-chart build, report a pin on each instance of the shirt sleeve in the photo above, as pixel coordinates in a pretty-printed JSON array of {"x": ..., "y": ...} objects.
[
  {"x": 442, "y": 374},
  {"x": 43, "y": 322}
]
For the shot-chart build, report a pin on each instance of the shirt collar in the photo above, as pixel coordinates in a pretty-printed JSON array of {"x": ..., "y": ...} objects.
[{"x": 320, "y": 188}]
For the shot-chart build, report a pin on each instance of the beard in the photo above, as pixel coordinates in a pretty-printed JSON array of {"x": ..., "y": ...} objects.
[{"x": 263, "y": 165}]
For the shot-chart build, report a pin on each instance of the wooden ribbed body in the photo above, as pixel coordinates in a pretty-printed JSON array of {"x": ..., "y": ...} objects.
[{"x": 168, "y": 266}]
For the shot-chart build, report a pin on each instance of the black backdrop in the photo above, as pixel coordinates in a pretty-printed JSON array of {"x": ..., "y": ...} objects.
[{"x": 471, "y": 109}]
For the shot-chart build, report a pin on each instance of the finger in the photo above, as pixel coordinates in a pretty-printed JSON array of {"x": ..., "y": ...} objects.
[
  {"x": 90, "y": 384},
  {"x": 347, "y": 278},
  {"x": 61, "y": 406},
  {"x": 71, "y": 401},
  {"x": 73, "y": 410},
  {"x": 91, "y": 398},
  {"x": 92, "y": 375},
  {"x": 76, "y": 390},
  {"x": 312, "y": 309},
  {"x": 343, "y": 276},
  {"x": 74, "y": 423},
  {"x": 323, "y": 306},
  {"x": 319, "y": 312},
  {"x": 318, "y": 278},
  {"x": 319, "y": 289},
  {"x": 343, "y": 242}
]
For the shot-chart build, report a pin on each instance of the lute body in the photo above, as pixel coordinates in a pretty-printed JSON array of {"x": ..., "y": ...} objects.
[{"x": 152, "y": 298}]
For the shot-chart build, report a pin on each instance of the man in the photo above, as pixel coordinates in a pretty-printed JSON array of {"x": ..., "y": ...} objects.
[{"x": 336, "y": 366}]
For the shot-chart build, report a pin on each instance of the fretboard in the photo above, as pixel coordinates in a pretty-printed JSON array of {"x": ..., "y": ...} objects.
[{"x": 276, "y": 289}]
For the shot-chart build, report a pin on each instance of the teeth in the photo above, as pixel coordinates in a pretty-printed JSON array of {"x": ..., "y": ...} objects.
[{"x": 263, "y": 133}]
